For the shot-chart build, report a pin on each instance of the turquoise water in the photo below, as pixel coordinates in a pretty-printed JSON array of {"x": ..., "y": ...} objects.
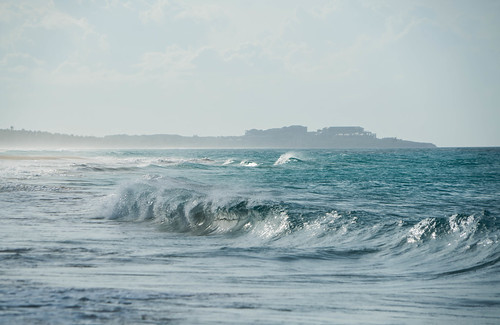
[{"x": 250, "y": 236}]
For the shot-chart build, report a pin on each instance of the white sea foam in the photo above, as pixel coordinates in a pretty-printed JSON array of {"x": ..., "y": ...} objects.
[
  {"x": 248, "y": 163},
  {"x": 168, "y": 232}
]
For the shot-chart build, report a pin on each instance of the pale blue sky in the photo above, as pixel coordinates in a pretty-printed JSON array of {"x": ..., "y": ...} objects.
[{"x": 418, "y": 70}]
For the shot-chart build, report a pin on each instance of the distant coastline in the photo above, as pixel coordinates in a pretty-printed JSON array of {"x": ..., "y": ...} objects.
[{"x": 293, "y": 137}]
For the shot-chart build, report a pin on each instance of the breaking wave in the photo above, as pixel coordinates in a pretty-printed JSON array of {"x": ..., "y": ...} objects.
[
  {"x": 196, "y": 209},
  {"x": 248, "y": 163},
  {"x": 286, "y": 158},
  {"x": 193, "y": 210}
]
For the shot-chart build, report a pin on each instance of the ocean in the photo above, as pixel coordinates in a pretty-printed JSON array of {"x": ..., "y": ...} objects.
[{"x": 403, "y": 236}]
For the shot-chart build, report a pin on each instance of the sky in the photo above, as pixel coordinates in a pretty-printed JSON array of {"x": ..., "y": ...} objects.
[{"x": 417, "y": 70}]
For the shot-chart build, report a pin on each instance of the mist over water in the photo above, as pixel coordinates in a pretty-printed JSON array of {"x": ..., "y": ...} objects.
[{"x": 257, "y": 236}]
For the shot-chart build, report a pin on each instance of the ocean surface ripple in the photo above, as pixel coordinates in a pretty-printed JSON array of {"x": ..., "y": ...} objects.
[{"x": 258, "y": 236}]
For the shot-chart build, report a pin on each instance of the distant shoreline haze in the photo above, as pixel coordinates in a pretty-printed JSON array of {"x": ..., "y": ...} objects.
[{"x": 289, "y": 137}]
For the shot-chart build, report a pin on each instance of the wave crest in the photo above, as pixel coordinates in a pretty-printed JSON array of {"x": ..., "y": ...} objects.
[
  {"x": 462, "y": 227},
  {"x": 182, "y": 206},
  {"x": 195, "y": 211},
  {"x": 286, "y": 158}
]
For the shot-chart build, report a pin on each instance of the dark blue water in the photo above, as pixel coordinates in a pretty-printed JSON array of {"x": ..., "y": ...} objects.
[{"x": 250, "y": 236}]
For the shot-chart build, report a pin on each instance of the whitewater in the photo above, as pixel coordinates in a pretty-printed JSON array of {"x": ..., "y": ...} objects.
[{"x": 399, "y": 236}]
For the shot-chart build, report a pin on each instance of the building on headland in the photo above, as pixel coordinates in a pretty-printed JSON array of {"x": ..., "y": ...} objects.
[
  {"x": 345, "y": 131},
  {"x": 295, "y": 136}
]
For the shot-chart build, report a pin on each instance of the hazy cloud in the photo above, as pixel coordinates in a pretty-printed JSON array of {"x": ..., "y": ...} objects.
[{"x": 395, "y": 67}]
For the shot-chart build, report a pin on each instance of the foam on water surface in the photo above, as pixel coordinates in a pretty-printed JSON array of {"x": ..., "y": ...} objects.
[{"x": 152, "y": 236}]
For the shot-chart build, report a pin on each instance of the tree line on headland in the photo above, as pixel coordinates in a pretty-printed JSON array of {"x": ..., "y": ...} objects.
[{"x": 286, "y": 137}]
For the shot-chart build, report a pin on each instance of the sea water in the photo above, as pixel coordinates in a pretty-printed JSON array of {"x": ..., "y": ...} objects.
[{"x": 250, "y": 236}]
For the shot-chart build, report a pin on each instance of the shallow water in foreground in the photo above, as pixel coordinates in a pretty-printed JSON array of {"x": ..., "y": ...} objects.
[{"x": 250, "y": 236}]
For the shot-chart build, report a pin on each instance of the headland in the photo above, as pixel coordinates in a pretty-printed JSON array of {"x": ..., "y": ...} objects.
[{"x": 295, "y": 137}]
